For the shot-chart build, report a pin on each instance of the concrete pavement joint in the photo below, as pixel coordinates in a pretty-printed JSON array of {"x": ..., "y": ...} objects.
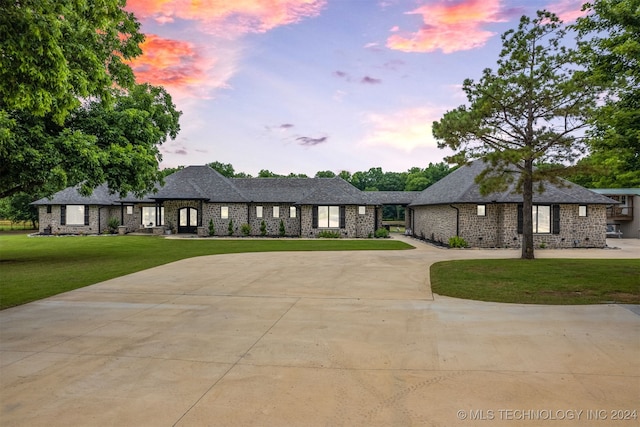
[{"x": 236, "y": 362}]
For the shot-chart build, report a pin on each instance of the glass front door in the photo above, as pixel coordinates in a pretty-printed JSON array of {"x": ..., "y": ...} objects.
[{"x": 187, "y": 220}]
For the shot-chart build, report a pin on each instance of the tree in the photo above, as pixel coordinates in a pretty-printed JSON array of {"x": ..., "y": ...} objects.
[
  {"x": 533, "y": 109},
  {"x": 325, "y": 174},
  {"x": 17, "y": 208},
  {"x": 70, "y": 112},
  {"x": 54, "y": 53},
  {"x": 609, "y": 44},
  {"x": 419, "y": 179},
  {"x": 97, "y": 143},
  {"x": 225, "y": 169}
]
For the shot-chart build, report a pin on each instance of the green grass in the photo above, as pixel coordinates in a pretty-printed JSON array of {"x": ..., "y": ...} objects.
[
  {"x": 540, "y": 281},
  {"x": 32, "y": 268}
]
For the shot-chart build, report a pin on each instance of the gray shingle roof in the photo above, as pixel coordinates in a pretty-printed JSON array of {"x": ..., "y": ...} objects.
[
  {"x": 199, "y": 183},
  {"x": 460, "y": 187},
  {"x": 71, "y": 196},
  {"x": 305, "y": 191}
]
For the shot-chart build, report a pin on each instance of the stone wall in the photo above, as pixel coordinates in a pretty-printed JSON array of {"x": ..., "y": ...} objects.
[
  {"x": 291, "y": 224},
  {"x": 499, "y": 227},
  {"x": 356, "y": 225},
  {"x": 436, "y": 223},
  {"x": 98, "y": 220}
]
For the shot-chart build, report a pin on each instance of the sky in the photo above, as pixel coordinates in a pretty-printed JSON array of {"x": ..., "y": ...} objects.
[{"x": 301, "y": 86}]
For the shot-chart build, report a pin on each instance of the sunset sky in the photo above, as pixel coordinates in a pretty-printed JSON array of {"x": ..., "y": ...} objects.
[{"x": 307, "y": 85}]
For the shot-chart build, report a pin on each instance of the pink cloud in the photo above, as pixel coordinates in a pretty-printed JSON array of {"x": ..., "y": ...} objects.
[
  {"x": 230, "y": 18},
  {"x": 450, "y": 27},
  {"x": 181, "y": 67},
  {"x": 567, "y": 10},
  {"x": 167, "y": 62}
]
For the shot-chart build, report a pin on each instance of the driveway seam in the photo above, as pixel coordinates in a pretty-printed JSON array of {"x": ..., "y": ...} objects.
[{"x": 236, "y": 362}]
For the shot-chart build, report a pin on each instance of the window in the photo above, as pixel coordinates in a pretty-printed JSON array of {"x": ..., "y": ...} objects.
[
  {"x": 541, "y": 219},
  {"x": 258, "y": 211},
  {"x": 582, "y": 210},
  {"x": 48, "y": 208},
  {"x": 276, "y": 211},
  {"x": 362, "y": 210},
  {"x": 293, "y": 212},
  {"x": 482, "y": 210},
  {"x": 329, "y": 217},
  {"x": 546, "y": 219},
  {"x": 129, "y": 210},
  {"x": 149, "y": 216},
  {"x": 76, "y": 215},
  {"x": 224, "y": 212}
]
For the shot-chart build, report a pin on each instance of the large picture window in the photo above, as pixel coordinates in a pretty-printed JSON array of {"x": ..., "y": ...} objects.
[
  {"x": 329, "y": 217},
  {"x": 149, "y": 216},
  {"x": 76, "y": 214}
]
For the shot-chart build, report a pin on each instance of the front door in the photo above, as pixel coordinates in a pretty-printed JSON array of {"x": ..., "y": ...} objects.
[{"x": 187, "y": 220}]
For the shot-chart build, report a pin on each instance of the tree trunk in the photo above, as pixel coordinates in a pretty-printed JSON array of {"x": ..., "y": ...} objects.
[{"x": 527, "y": 205}]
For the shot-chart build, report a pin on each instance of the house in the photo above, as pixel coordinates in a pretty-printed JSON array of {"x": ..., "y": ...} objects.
[
  {"x": 564, "y": 216},
  {"x": 196, "y": 196},
  {"x": 622, "y": 221},
  {"x": 196, "y": 199}
]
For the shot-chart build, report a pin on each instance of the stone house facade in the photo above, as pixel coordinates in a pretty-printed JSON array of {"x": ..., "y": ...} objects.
[
  {"x": 565, "y": 216},
  {"x": 194, "y": 197}
]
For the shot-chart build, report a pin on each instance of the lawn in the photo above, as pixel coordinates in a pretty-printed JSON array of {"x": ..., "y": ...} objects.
[
  {"x": 540, "y": 281},
  {"x": 32, "y": 268}
]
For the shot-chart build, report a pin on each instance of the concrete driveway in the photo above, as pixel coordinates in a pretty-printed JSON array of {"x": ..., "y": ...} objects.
[{"x": 315, "y": 339}]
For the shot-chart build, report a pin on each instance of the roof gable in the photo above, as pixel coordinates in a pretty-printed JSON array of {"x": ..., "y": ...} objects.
[
  {"x": 198, "y": 183},
  {"x": 460, "y": 187}
]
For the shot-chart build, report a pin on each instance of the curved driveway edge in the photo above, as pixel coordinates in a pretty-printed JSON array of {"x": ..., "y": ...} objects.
[{"x": 315, "y": 339}]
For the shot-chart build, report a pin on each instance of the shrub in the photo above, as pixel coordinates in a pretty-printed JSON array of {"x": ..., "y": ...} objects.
[
  {"x": 457, "y": 242},
  {"x": 230, "y": 228},
  {"x": 212, "y": 228},
  {"x": 263, "y": 228},
  {"x": 326, "y": 234},
  {"x": 282, "y": 229},
  {"x": 246, "y": 229},
  {"x": 382, "y": 233},
  {"x": 113, "y": 224}
]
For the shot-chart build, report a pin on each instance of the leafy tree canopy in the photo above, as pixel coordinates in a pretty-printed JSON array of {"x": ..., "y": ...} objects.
[
  {"x": 533, "y": 109},
  {"x": 609, "y": 46},
  {"x": 54, "y": 53},
  {"x": 70, "y": 112}
]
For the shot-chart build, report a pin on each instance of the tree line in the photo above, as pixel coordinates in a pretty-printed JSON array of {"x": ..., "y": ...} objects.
[{"x": 374, "y": 179}]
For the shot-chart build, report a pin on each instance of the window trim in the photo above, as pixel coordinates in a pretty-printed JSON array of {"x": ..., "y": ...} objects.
[
  {"x": 581, "y": 209},
  {"x": 362, "y": 210},
  {"x": 293, "y": 212},
  {"x": 259, "y": 212},
  {"x": 554, "y": 219},
  {"x": 481, "y": 210},
  {"x": 64, "y": 211},
  {"x": 276, "y": 211},
  {"x": 224, "y": 212},
  {"x": 328, "y": 224}
]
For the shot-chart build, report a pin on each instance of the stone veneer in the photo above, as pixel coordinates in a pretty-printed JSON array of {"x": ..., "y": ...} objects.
[
  {"x": 356, "y": 225},
  {"x": 499, "y": 227}
]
